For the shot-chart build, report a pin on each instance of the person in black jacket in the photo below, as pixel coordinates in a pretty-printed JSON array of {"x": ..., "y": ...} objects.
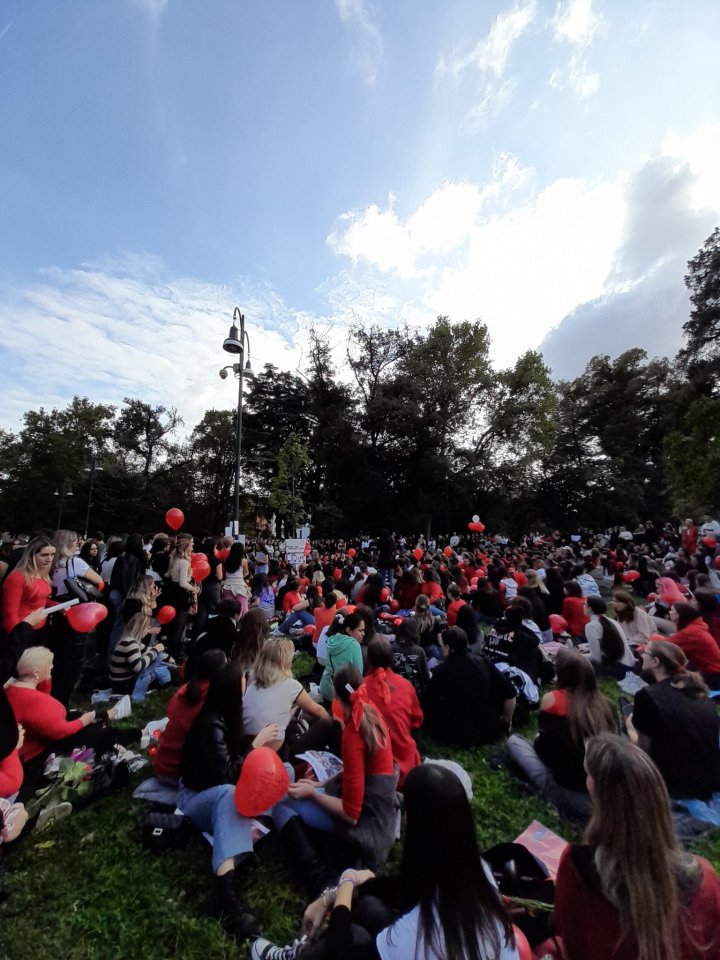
[
  {"x": 468, "y": 701},
  {"x": 387, "y": 549},
  {"x": 221, "y": 632},
  {"x": 212, "y": 759}
]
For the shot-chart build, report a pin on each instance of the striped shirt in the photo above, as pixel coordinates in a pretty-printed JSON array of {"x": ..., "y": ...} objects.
[{"x": 130, "y": 658}]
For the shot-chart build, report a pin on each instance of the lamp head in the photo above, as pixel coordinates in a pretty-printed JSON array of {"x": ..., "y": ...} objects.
[
  {"x": 223, "y": 373},
  {"x": 248, "y": 371}
]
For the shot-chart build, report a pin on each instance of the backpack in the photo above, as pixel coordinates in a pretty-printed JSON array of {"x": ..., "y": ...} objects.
[{"x": 407, "y": 665}]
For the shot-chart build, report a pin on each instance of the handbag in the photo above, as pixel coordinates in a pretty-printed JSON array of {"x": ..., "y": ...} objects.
[{"x": 81, "y": 589}]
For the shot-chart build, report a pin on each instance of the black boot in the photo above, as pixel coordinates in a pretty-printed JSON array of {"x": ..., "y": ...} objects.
[
  {"x": 306, "y": 867},
  {"x": 236, "y": 919}
]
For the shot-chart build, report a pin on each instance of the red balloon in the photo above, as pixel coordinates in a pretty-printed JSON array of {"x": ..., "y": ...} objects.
[
  {"x": 394, "y": 605},
  {"x": 397, "y": 621},
  {"x": 448, "y": 552},
  {"x": 351, "y": 552},
  {"x": 716, "y": 562},
  {"x": 652, "y": 597},
  {"x": 522, "y": 946},
  {"x": 631, "y": 576},
  {"x": 710, "y": 542},
  {"x": 473, "y": 582},
  {"x": 200, "y": 568},
  {"x": 309, "y": 630},
  {"x": 222, "y": 555},
  {"x": 558, "y": 624},
  {"x": 350, "y": 608},
  {"x": 175, "y": 518},
  {"x": 619, "y": 565},
  {"x": 262, "y": 783},
  {"x": 384, "y": 595},
  {"x": 476, "y": 527},
  {"x": 84, "y": 617},
  {"x": 417, "y": 553},
  {"x": 165, "y": 614}
]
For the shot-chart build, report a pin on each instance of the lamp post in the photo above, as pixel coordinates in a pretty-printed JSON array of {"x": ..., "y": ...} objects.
[
  {"x": 93, "y": 469},
  {"x": 235, "y": 343},
  {"x": 62, "y": 493}
]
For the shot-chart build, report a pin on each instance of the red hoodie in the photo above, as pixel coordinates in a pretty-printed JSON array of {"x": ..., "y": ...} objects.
[
  {"x": 396, "y": 701},
  {"x": 699, "y": 645},
  {"x": 181, "y": 714}
]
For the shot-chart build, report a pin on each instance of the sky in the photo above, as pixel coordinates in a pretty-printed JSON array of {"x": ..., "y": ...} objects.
[{"x": 548, "y": 167}]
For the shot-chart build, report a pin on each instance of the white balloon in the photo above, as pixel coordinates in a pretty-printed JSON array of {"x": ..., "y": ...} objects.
[{"x": 476, "y": 519}]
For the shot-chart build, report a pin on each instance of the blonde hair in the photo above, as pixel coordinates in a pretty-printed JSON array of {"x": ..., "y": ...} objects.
[
  {"x": 33, "y": 660},
  {"x": 183, "y": 547},
  {"x": 638, "y": 861},
  {"x": 137, "y": 627},
  {"x": 273, "y": 663},
  {"x": 536, "y": 582},
  {"x": 424, "y": 618},
  {"x": 62, "y": 540},
  {"x": 26, "y": 564},
  {"x": 141, "y": 591}
]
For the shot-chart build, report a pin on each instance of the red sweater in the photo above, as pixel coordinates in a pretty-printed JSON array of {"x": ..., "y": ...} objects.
[
  {"x": 181, "y": 714},
  {"x": 20, "y": 598},
  {"x": 699, "y": 645},
  {"x": 323, "y": 618},
  {"x": 43, "y": 718},
  {"x": 590, "y": 926},
  {"x": 452, "y": 612},
  {"x": 401, "y": 713},
  {"x": 289, "y": 601},
  {"x": 358, "y": 764},
  {"x": 574, "y": 613},
  {"x": 11, "y": 774},
  {"x": 433, "y": 591}
]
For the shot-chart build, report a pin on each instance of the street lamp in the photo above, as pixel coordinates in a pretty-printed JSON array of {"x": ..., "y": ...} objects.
[
  {"x": 235, "y": 344},
  {"x": 93, "y": 469},
  {"x": 62, "y": 493}
]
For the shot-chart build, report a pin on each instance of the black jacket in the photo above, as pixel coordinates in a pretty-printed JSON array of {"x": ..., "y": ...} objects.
[
  {"x": 12, "y": 646},
  {"x": 220, "y": 634},
  {"x": 207, "y": 759}
]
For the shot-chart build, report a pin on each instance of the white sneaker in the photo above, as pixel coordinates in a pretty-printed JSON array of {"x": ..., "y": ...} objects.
[
  {"x": 262, "y": 949},
  {"x": 61, "y": 811}
]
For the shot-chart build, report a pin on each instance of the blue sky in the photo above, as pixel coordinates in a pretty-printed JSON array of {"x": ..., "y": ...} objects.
[{"x": 547, "y": 166}]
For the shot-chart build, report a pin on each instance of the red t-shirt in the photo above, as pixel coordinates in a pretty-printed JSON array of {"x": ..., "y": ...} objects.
[
  {"x": 181, "y": 714},
  {"x": 20, "y": 598},
  {"x": 590, "y": 926},
  {"x": 11, "y": 774},
  {"x": 573, "y": 609},
  {"x": 433, "y": 591},
  {"x": 402, "y": 714},
  {"x": 43, "y": 717},
  {"x": 452, "y": 612},
  {"x": 289, "y": 601},
  {"x": 323, "y": 618},
  {"x": 358, "y": 764}
]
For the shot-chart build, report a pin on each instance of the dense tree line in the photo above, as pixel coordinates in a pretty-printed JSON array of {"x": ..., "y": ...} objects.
[{"x": 418, "y": 433}]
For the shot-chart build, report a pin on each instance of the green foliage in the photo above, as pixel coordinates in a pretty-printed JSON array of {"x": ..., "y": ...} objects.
[
  {"x": 693, "y": 458},
  {"x": 701, "y": 355},
  {"x": 286, "y": 491}
]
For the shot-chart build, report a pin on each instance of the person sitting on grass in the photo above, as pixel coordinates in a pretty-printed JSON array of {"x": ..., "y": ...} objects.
[
  {"x": 443, "y": 903},
  {"x": 629, "y": 892},
  {"x": 186, "y": 704},
  {"x": 699, "y": 645},
  {"x": 44, "y": 719},
  {"x": 409, "y": 658},
  {"x": 608, "y": 649},
  {"x": 345, "y": 637},
  {"x": 574, "y": 711},
  {"x": 135, "y": 663},
  {"x": 212, "y": 758},
  {"x": 468, "y": 701},
  {"x": 397, "y": 703}
]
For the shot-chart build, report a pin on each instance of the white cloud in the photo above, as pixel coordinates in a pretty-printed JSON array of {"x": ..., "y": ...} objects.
[
  {"x": 701, "y": 150},
  {"x": 123, "y": 327},
  {"x": 491, "y": 54},
  {"x": 496, "y": 97},
  {"x": 576, "y": 76},
  {"x": 367, "y": 39},
  {"x": 575, "y": 22}
]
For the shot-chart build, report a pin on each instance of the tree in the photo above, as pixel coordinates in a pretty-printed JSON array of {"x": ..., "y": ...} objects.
[
  {"x": 293, "y": 463},
  {"x": 693, "y": 459},
  {"x": 701, "y": 354},
  {"x": 212, "y": 455},
  {"x": 143, "y": 431}
]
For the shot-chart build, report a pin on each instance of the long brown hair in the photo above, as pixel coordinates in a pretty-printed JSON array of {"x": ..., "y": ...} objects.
[
  {"x": 640, "y": 866},
  {"x": 589, "y": 711},
  {"x": 673, "y": 659},
  {"x": 627, "y": 614},
  {"x": 372, "y": 728},
  {"x": 26, "y": 564}
]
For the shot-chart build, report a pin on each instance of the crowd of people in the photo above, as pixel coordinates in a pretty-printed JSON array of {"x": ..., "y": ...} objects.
[{"x": 460, "y": 637}]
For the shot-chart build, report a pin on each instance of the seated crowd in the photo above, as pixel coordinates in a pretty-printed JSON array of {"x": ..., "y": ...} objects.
[{"x": 453, "y": 639}]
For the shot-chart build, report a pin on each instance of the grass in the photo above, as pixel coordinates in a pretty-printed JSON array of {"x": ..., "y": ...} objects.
[{"x": 86, "y": 889}]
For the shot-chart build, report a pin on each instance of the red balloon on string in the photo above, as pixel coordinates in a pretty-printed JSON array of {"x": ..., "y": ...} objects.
[
  {"x": 631, "y": 576},
  {"x": 174, "y": 518},
  {"x": 417, "y": 553},
  {"x": 200, "y": 568},
  {"x": 262, "y": 783},
  {"x": 524, "y": 950},
  {"x": 351, "y": 552},
  {"x": 558, "y": 624},
  {"x": 165, "y": 614},
  {"x": 448, "y": 552},
  {"x": 84, "y": 617}
]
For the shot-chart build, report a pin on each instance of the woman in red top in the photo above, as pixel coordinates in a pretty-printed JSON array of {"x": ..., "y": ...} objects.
[
  {"x": 360, "y": 806},
  {"x": 185, "y": 705},
  {"x": 28, "y": 586},
  {"x": 432, "y": 588},
  {"x": 397, "y": 703},
  {"x": 695, "y": 639},
  {"x": 573, "y": 609},
  {"x": 631, "y": 893}
]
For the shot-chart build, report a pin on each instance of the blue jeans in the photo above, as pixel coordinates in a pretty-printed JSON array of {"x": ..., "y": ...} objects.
[
  {"x": 156, "y": 670},
  {"x": 388, "y": 577},
  {"x": 294, "y": 617},
  {"x": 308, "y": 811},
  {"x": 116, "y": 600},
  {"x": 213, "y": 811}
]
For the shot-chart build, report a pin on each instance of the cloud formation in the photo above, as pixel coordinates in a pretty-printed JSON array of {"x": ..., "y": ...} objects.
[
  {"x": 367, "y": 42},
  {"x": 576, "y": 23}
]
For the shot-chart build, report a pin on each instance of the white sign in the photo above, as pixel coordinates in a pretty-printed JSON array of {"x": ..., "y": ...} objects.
[{"x": 295, "y": 549}]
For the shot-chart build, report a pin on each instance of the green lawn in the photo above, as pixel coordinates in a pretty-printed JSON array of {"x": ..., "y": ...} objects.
[{"x": 86, "y": 888}]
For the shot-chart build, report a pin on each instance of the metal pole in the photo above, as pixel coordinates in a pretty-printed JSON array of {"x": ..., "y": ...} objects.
[
  {"x": 87, "y": 513},
  {"x": 238, "y": 435},
  {"x": 62, "y": 501}
]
